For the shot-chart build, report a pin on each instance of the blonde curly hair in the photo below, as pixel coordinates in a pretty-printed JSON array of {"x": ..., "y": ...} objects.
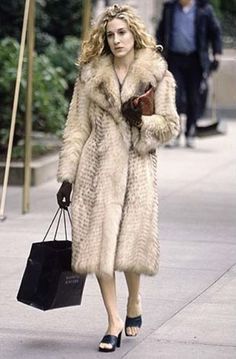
[{"x": 97, "y": 44}]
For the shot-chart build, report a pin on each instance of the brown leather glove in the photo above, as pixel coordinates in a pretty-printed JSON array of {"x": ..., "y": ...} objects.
[
  {"x": 132, "y": 114},
  {"x": 63, "y": 195}
]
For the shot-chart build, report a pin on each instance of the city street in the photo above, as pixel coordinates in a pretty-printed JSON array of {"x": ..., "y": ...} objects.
[{"x": 189, "y": 308}]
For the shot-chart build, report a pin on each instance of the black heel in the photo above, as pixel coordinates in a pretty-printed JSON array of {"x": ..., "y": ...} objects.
[
  {"x": 132, "y": 322},
  {"x": 119, "y": 340},
  {"x": 113, "y": 340}
]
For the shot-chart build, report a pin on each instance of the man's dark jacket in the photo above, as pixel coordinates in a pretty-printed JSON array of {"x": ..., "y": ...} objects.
[{"x": 208, "y": 32}]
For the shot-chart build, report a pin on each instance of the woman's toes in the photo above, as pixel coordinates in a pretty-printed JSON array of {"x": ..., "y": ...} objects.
[
  {"x": 105, "y": 346},
  {"x": 133, "y": 331},
  {"x": 129, "y": 331}
]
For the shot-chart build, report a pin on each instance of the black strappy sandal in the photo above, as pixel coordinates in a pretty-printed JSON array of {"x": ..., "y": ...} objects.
[
  {"x": 132, "y": 322},
  {"x": 110, "y": 339}
]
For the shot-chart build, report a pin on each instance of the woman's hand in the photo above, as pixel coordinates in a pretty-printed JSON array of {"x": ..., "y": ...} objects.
[
  {"x": 132, "y": 114},
  {"x": 63, "y": 195}
]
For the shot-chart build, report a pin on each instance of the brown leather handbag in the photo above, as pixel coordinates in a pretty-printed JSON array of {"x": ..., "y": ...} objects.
[{"x": 146, "y": 102}]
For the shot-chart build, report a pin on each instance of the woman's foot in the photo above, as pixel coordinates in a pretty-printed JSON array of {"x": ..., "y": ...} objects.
[
  {"x": 112, "y": 338},
  {"x": 133, "y": 320}
]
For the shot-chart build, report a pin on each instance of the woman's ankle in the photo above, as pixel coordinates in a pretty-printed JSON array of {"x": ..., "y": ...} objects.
[
  {"x": 134, "y": 300},
  {"x": 115, "y": 325},
  {"x": 134, "y": 307}
]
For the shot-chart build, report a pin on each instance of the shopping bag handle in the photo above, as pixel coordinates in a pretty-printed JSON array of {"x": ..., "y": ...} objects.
[
  {"x": 64, "y": 211},
  {"x": 61, "y": 210}
]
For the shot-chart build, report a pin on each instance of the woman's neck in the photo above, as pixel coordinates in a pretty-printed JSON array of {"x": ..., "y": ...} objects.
[{"x": 123, "y": 63}]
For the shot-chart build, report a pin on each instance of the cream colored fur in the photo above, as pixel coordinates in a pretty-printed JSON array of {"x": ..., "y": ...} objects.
[{"x": 115, "y": 203}]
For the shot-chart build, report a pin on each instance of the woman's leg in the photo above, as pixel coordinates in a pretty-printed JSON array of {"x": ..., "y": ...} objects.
[
  {"x": 134, "y": 301},
  {"x": 108, "y": 290}
]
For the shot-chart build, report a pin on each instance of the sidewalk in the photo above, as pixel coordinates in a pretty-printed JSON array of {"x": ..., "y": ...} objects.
[{"x": 189, "y": 309}]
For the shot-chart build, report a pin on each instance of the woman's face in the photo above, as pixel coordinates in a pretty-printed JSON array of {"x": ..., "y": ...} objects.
[
  {"x": 119, "y": 37},
  {"x": 185, "y": 2}
]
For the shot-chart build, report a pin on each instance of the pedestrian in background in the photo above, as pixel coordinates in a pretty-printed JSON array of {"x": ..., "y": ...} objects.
[
  {"x": 187, "y": 30},
  {"x": 109, "y": 158}
]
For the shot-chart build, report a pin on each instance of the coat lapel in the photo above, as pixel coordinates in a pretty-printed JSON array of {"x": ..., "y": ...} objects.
[
  {"x": 102, "y": 85},
  {"x": 148, "y": 68}
]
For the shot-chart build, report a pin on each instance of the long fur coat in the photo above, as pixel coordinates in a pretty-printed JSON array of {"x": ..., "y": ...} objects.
[{"x": 114, "y": 168}]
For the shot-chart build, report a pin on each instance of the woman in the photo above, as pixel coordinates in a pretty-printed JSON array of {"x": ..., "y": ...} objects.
[{"x": 109, "y": 157}]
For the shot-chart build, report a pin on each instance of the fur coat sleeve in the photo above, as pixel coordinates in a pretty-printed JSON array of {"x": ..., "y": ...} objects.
[
  {"x": 76, "y": 132},
  {"x": 164, "y": 125}
]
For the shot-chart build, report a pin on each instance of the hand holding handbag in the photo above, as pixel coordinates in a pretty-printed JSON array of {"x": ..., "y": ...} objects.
[
  {"x": 136, "y": 106},
  {"x": 132, "y": 113},
  {"x": 146, "y": 102},
  {"x": 48, "y": 281}
]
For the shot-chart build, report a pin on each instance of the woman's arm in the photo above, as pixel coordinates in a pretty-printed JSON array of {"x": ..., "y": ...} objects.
[
  {"x": 76, "y": 133},
  {"x": 164, "y": 125}
]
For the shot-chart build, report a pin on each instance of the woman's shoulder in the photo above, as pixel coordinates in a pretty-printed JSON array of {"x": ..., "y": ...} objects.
[
  {"x": 151, "y": 54},
  {"x": 91, "y": 69},
  {"x": 153, "y": 61}
]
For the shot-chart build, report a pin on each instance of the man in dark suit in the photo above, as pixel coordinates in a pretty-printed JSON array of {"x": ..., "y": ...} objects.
[{"x": 187, "y": 30}]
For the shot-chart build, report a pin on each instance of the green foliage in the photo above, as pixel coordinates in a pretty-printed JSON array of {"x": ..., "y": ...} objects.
[
  {"x": 224, "y": 5},
  {"x": 55, "y": 19},
  {"x": 9, "y": 50},
  {"x": 226, "y": 11},
  {"x": 62, "y": 18},
  {"x": 11, "y": 18},
  {"x": 49, "y": 103},
  {"x": 49, "y": 106},
  {"x": 57, "y": 40},
  {"x": 216, "y": 5},
  {"x": 228, "y": 5},
  {"x": 65, "y": 56}
]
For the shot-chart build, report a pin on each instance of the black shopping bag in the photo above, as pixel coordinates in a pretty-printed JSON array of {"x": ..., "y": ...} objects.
[{"x": 48, "y": 281}]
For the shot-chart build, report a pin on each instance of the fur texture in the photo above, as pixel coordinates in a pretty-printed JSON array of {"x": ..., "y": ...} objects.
[{"x": 114, "y": 168}]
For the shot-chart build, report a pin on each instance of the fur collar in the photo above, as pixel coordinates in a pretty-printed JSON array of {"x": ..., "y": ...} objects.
[{"x": 101, "y": 83}]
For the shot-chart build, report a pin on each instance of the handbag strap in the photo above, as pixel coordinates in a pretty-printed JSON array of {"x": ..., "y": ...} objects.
[{"x": 59, "y": 213}]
